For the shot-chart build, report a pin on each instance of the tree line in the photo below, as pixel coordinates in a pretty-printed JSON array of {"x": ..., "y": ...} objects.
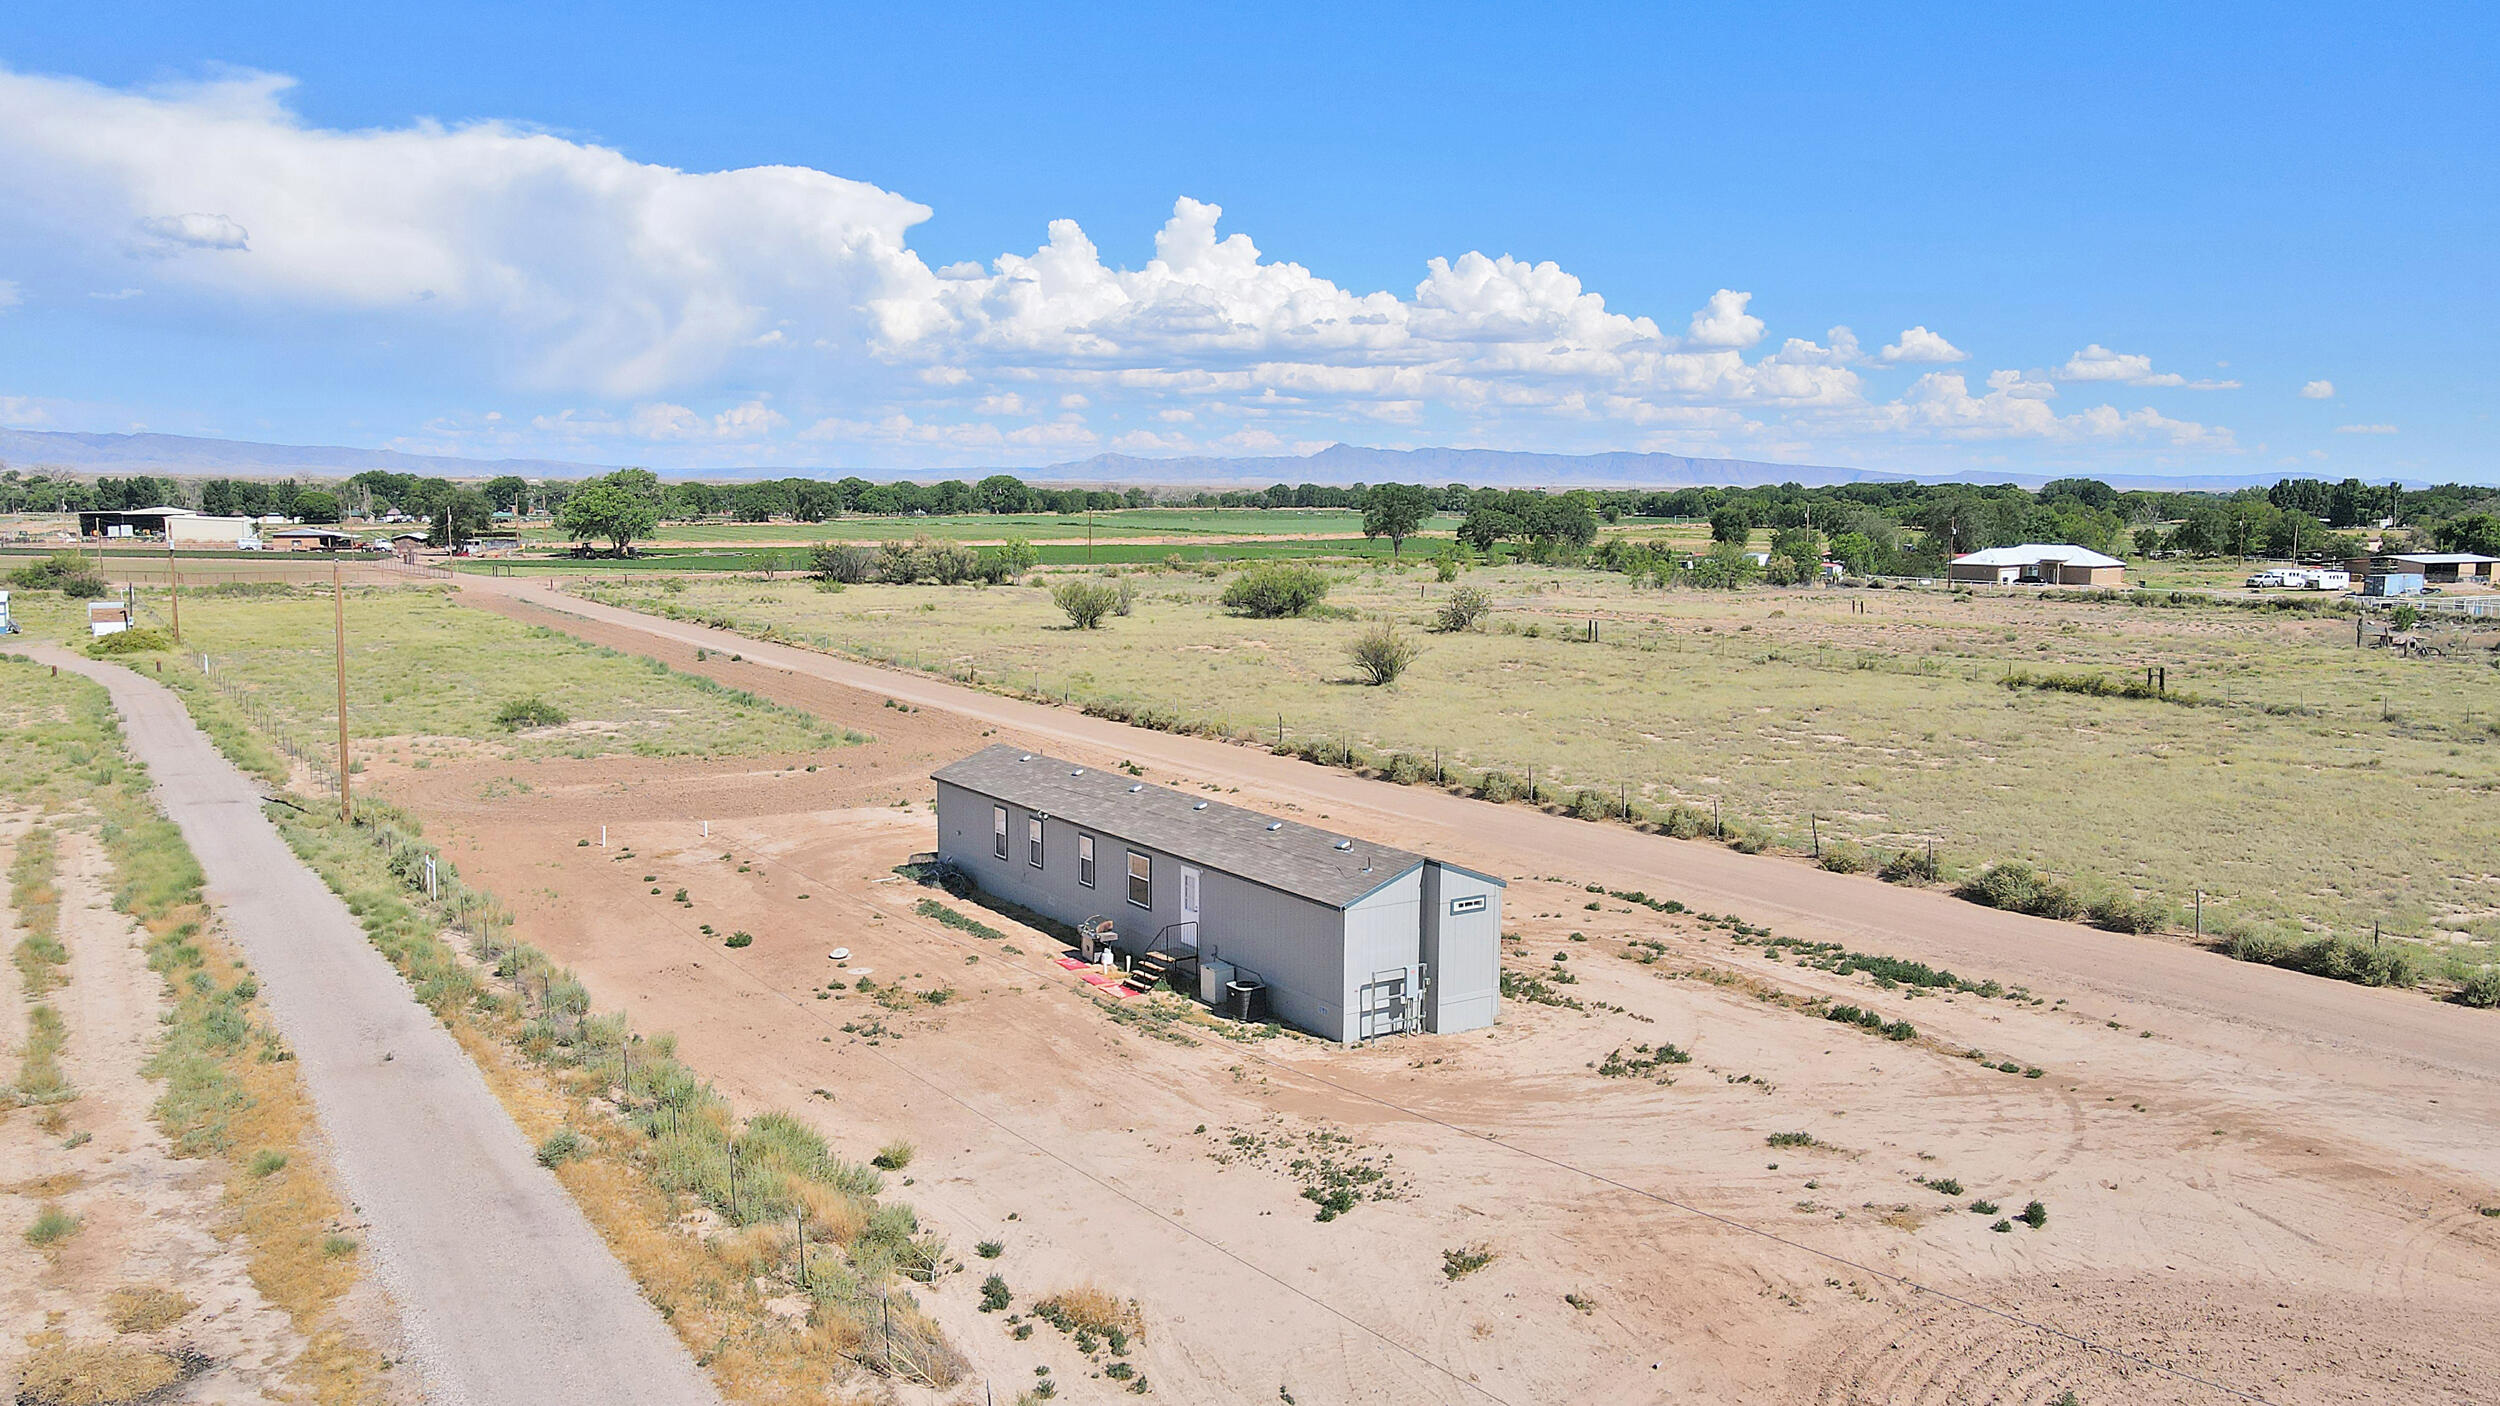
[{"x": 1879, "y": 527}]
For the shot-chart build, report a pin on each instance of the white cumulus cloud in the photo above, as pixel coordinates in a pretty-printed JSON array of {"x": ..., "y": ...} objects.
[
  {"x": 2365, "y": 429},
  {"x": 2098, "y": 363},
  {"x": 2318, "y": 390},
  {"x": 1918, "y": 346},
  {"x": 691, "y": 307}
]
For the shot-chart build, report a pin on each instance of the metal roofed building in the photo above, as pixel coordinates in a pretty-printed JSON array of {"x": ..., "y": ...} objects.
[
  {"x": 1351, "y": 939},
  {"x": 2038, "y": 564},
  {"x": 2445, "y": 567}
]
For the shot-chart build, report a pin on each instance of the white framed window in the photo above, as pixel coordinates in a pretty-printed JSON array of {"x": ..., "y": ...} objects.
[
  {"x": 1472, "y": 904},
  {"x": 998, "y": 830},
  {"x": 1033, "y": 841},
  {"x": 1141, "y": 879},
  {"x": 1085, "y": 860}
]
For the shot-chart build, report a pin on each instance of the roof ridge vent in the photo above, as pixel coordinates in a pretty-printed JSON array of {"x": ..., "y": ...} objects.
[
  {"x": 1140, "y": 786},
  {"x": 1202, "y": 805},
  {"x": 1275, "y": 825},
  {"x": 1026, "y": 757},
  {"x": 1345, "y": 844}
]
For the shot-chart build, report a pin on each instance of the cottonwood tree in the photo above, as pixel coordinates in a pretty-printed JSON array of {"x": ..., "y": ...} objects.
[{"x": 1394, "y": 511}]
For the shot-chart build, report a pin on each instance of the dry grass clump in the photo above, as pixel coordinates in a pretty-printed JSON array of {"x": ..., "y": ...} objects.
[
  {"x": 61, "y": 1373},
  {"x": 144, "y": 1308},
  {"x": 1090, "y": 1308}
]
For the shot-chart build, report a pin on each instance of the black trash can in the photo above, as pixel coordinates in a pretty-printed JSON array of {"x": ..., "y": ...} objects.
[{"x": 1247, "y": 1000}]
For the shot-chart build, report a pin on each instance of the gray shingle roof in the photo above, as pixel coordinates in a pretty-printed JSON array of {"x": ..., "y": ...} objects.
[{"x": 1316, "y": 864}]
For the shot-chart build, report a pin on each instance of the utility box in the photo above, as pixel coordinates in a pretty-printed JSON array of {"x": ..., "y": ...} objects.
[
  {"x": 1213, "y": 977},
  {"x": 8, "y": 625}
]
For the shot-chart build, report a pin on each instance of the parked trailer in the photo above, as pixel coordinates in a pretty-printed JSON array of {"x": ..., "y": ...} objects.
[{"x": 2319, "y": 580}]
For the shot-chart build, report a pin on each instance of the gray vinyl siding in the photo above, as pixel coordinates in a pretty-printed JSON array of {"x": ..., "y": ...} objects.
[
  {"x": 1463, "y": 950},
  {"x": 1294, "y": 945},
  {"x": 1317, "y": 960},
  {"x": 1379, "y": 940}
]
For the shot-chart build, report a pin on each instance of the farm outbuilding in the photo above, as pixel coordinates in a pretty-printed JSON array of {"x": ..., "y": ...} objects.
[
  {"x": 2443, "y": 568},
  {"x": 2038, "y": 564},
  {"x": 1346, "y": 938},
  {"x": 313, "y": 539}
]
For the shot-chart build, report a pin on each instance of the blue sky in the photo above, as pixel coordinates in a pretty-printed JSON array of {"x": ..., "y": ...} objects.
[{"x": 2134, "y": 240}]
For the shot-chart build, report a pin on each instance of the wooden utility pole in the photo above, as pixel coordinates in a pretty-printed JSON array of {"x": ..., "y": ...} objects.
[
  {"x": 338, "y": 623},
  {"x": 174, "y": 577}
]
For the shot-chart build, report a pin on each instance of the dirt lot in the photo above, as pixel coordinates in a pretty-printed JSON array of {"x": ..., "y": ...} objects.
[{"x": 2292, "y": 1219}]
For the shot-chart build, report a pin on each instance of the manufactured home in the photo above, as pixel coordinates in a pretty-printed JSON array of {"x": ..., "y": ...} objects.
[{"x": 1342, "y": 937}]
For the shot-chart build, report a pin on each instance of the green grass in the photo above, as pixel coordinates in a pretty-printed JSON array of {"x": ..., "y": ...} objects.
[
  {"x": 427, "y": 673},
  {"x": 1888, "y": 729}
]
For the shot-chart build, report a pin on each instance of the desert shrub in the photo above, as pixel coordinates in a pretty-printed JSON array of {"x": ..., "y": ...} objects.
[
  {"x": 740, "y": 938},
  {"x": 1089, "y": 1309},
  {"x": 1842, "y": 857},
  {"x": 65, "y": 572},
  {"x": 1500, "y": 786},
  {"x": 561, "y": 1146},
  {"x": 1910, "y": 866},
  {"x": 1404, "y": 769},
  {"x": 1381, "y": 653},
  {"x": 1592, "y": 805},
  {"x": 524, "y": 713},
  {"x": 994, "y": 1294},
  {"x": 2017, "y": 888},
  {"x": 1085, "y": 603},
  {"x": 1464, "y": 610},
  {"x": 894, "y": 1156},
  {"x": 1126, "y": 598},
  {"x": 2034, "y": 1215},
  {"x": 1685, "y": 823},
  {"x": 1748, "y": 840},
  {"x": 136, "y": 640},
  {"x": 51, "y": 1224},
  {"x": 1006, "y": 561},
  {"x": 2337, "y": 958},
  {"x": 2481, "y": 990},
  {"x": 990, "y": 1249},
  {"x": 1791, "y": 1140},
  {"x": 842, "y": 563},
  {"x": 1275, "y": 590},
  {"x": 2127, "y": 913},
  {"x": 1465, "y": 1260}
]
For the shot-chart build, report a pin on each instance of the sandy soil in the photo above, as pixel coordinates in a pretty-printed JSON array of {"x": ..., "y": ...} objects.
[
  {"x": 147, "y": 1217},
  {"x": 2267, "y": 1214}
]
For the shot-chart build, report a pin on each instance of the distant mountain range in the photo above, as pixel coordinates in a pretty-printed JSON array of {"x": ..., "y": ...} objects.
[{"x": 187, "y": 456}]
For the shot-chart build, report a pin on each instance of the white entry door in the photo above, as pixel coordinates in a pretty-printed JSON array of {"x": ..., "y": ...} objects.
[{"x": 1187, "y": 933}]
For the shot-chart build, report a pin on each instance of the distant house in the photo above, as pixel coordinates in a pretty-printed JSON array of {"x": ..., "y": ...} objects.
[
  {"x": 107, "y": 618},
  {"x": 312, "y": 539},
  {"x": 2038, "y": 564},
  {"x": 2442, "y": 568}
]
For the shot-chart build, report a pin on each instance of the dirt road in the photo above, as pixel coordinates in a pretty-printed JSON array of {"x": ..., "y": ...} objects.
[
  {"x": 2398, "y": 1030},
  {"x": 507, "y": 1293}
]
